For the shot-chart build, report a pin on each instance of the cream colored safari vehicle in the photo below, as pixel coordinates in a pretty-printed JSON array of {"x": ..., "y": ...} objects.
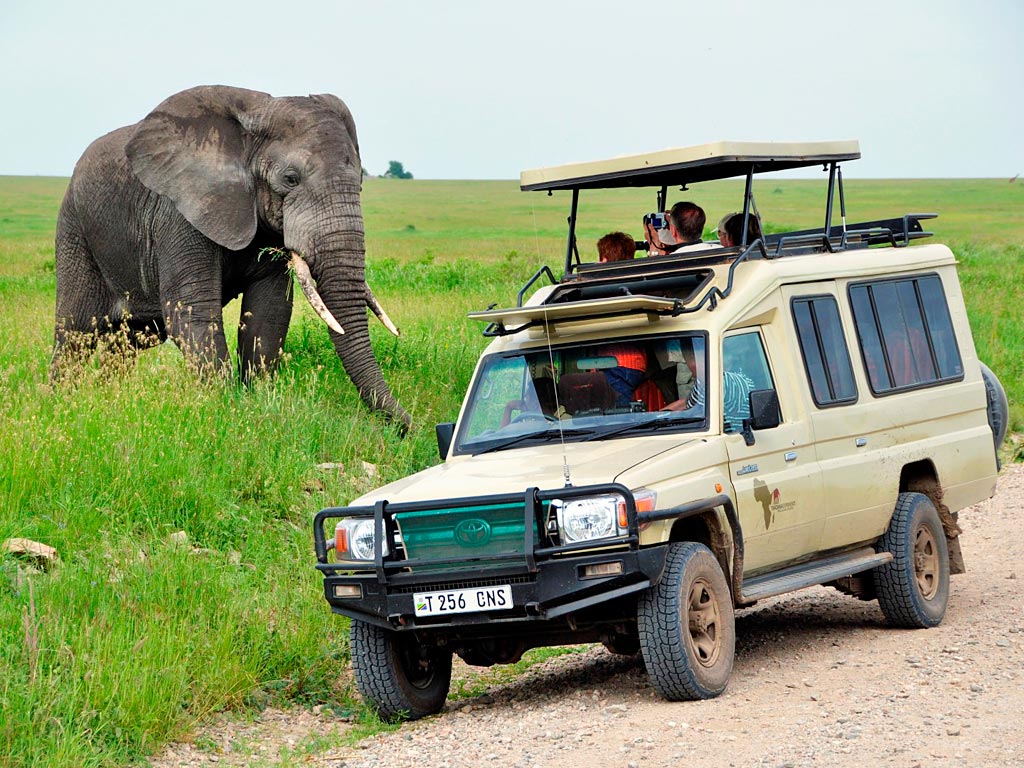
[{"x": 648, "y": 445}]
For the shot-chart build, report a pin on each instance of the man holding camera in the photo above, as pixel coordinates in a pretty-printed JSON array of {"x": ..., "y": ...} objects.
[{"x": 685, "y": 224}]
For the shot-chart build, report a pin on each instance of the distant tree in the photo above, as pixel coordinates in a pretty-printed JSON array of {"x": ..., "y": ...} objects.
[
  {"x": 366, "y": 173},
  {"x": 396, "y": 171}
]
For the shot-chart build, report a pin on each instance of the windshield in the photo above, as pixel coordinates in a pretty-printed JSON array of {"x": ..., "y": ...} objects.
[{"x": 586, "y": 392}]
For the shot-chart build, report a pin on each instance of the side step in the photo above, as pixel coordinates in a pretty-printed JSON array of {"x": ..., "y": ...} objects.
[{"x": 811, "y": 574}]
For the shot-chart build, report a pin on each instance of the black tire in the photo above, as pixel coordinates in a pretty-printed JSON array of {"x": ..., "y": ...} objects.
[
  {"x": 998, "y": 407},
  {"x": 687, "y": 628},
  {"x": 398, "y": 676},
  {"x": 913, "y": 589}
]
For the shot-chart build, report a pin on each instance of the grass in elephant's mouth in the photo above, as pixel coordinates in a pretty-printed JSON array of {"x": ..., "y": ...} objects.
[{"x": 139, "y": 632}]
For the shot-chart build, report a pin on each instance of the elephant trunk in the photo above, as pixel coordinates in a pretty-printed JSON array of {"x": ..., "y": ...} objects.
[{"x": 336, "y": 261}]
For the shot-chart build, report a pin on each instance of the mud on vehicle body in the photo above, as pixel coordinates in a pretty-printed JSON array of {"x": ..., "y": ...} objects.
[{"x": 647, "y": 445}]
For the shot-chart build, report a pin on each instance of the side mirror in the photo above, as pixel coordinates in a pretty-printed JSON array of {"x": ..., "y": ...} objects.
[
  {"x": 445, "y": 433},
  {"x": 764, "y": 413}
]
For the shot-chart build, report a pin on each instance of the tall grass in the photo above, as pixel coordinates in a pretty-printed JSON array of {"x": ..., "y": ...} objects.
[{"x": 137, "y": 635}]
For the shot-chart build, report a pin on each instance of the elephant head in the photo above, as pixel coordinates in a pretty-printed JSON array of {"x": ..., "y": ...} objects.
[{"x": 249, "y": 171}]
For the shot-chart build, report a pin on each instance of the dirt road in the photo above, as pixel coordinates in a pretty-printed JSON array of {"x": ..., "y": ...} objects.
[{"x": 819, "y": 680}]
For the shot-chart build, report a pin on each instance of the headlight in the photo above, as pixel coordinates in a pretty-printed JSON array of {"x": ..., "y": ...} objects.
[
  {"x": 586, "y": 519},
  {"x": 598, "y": 517},
  {"x": 353, "y": 539}
]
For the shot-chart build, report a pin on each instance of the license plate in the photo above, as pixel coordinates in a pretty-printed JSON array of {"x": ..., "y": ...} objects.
[{"x": 463, "y": 600}]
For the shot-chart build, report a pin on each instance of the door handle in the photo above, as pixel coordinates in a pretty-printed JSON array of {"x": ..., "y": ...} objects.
[{"x": 790, "y": 456}]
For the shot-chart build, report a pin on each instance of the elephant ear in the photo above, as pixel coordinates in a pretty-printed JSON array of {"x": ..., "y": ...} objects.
[
  {"x": 192, "y": 150},
  {"x": 337, "y": 106}
]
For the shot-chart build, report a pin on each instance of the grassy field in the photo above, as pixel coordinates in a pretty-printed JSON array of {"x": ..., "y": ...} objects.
[{"x": 138, "y": 635}]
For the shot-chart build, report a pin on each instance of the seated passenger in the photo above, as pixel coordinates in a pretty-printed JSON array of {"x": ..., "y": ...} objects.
[
  {"x": 723, "y": 234},
  {"x": 736, "y": 389},
  {"x": 675, "y": 377},
  {"x": 540, "y": 398},
  {"x": 686, "y": 225},
  {"x": 615, "y": 246},
  {"x": 730, "y": 229}
]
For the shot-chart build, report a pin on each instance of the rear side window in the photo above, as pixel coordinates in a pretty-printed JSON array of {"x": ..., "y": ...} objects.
[
  {"x": 823, "y": 345},
  {"x": 905, "y": 333}
]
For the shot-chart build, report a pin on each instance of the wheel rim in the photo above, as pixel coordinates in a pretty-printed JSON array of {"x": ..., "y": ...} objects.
[
  {"x": 419, "y": 671},
  {"x": 926, "y": 562},
  {"x": 704, "y": 621}
]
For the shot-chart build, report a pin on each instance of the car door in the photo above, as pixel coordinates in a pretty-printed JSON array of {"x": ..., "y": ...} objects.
[
  {"x": 841, "y": 418},
  {"x": 776, "y": 480}
]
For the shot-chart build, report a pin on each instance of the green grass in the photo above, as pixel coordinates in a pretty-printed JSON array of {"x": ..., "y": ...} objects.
[{"x": 133, "y": 639}]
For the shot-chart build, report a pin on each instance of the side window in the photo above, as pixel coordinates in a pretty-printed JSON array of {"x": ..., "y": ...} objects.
[
  {"x": 823, "y": 346},
  {"x": 744, "y": 369},
  {"x": 905, "y": 333}
]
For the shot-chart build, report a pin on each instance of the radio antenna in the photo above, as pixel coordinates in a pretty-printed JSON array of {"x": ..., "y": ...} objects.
[{"x": 551, "y": 360}]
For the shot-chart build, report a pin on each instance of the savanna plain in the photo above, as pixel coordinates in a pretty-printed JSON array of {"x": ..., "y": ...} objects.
[{"x": 181, "y": 509}]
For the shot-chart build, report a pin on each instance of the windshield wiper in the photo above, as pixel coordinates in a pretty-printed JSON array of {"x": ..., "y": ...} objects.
[
  {"x": 652, "y": 424},
  {"x": 545, "y": 437}
]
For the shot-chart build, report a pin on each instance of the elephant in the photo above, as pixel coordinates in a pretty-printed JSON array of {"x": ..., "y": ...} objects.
[{"x": 167, "y": 220}]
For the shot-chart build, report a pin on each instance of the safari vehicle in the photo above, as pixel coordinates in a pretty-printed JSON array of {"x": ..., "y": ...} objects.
[{"x": 831, "y": 419}]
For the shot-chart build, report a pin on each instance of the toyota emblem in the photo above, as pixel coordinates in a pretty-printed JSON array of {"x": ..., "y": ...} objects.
[{"x": 473, "y": 532}]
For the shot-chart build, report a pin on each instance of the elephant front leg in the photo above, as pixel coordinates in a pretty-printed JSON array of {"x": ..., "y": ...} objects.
[
  {"x": 190, "y": 295},
  {"x": 199, "y": 334},
  {"x": 263, "y": 325}
]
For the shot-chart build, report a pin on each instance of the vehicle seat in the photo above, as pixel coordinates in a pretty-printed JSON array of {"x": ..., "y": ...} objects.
[{"x": 582, "y": 392}]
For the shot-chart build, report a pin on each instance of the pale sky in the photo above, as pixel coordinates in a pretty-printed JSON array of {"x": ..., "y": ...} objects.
[{"x": 481, "y": 90}]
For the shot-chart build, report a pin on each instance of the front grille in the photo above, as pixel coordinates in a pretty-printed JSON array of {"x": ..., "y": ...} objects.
[
  {"x": 481, "y": 530},
  {"x": 469, "y": 584}
]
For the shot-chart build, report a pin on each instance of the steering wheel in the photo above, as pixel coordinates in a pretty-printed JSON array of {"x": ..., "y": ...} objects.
[{"x": 532, "y": 416}]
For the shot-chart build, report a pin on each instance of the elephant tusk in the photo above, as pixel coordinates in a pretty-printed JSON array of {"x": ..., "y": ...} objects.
[
  {"x": 378, "y": 310},
  {"x": 302, "y": 274}
]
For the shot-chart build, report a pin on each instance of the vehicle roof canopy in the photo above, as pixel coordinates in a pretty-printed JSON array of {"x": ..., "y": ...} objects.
[{"x": 685, "y": 165}]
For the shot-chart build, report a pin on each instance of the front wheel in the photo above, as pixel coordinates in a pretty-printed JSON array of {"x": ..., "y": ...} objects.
[
  {"x": 913, "y": 588},
  {"x": 687, "y": 629},
  {"x": 400, "y": 677}
]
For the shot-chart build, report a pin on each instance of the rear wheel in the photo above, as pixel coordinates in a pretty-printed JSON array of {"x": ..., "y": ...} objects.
[
  {"x": 687, "y": 630},
  {"x": 913, "y": 589},
  {"x": 998, "y": 407},
  {"x": 397, "y": 675}
]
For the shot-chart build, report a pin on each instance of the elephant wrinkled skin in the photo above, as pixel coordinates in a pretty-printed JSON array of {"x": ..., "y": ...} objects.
[{"x": 167, "y": 220}]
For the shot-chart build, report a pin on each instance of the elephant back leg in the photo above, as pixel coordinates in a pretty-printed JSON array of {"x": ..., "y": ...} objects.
[
  {"x": 263, "y": 325},
  {"x": 85, "y": 302}
]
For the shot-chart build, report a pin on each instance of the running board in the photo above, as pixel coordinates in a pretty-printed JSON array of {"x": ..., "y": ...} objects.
[{"x": 813, "y": 573}]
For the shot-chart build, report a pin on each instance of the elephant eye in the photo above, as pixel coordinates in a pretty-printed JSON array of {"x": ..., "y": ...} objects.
[{"x": 291, "y": 178}]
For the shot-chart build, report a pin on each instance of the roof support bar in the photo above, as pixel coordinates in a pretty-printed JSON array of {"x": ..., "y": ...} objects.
[
  {"x": 842, "y": 200},
  {"x": 831, "y": 196},
  {"x": 571, "y": 245},
  {"x": 746, "y": 203}
]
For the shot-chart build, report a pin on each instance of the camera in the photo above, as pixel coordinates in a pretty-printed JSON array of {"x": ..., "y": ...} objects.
[{"x": 656, "y": 220}]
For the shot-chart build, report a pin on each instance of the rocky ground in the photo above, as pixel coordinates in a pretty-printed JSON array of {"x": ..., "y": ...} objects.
[{"x": 819, "y": 680}]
